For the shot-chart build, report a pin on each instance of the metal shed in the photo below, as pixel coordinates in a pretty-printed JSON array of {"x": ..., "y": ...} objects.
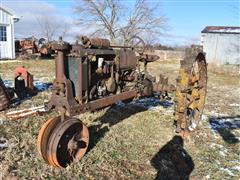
[
  {"x": 7, "y": 45},
  {"x": 221, "y": 44}
]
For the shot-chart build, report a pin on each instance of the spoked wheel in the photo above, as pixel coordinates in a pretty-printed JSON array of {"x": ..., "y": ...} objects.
[
  {"x": 61, "y": 143},
  {"x": 68, "y": 143},
  {"x": 191, "y": 90},
  {"x": 137, "y": 44}
]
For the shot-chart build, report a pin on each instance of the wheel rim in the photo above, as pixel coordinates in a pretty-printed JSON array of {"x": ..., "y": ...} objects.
[
  {"x": 137, "y": 44},
  {"x": 68, "y": 143},
  {"x": 198, "y": 91},
  {"x": 44, "y": 135},
  {"x": 191, "y": 90}
]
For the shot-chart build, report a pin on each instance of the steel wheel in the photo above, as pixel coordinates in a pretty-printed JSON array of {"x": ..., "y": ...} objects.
[
  {"x": 68, "y": 143},
  {"x": 137, "y": 44},
  {"x": 44, "y": 135},
  {"x": 191, "y": 90}
]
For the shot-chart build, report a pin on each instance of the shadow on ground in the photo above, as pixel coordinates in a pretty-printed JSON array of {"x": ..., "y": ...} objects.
[
  {"x": 172, "y": 161},
  {"x": 118, "y": 113},
  {"x": 224, "y": 125}
]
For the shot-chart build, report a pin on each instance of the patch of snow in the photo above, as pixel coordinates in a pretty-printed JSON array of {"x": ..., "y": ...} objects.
[
  {"x": 40, "y": 85},
  {"x": 230, "y": 30},
  {"x": 222, "y": 153},
  {"x": 213, "y": 113},
  {"x": 8, "y": 83},
  {"x": 227, "y": 123},
  {"x": 217, "y": 145},
  {"x": 192, "y": 127},
  {"x": 218, "y": 162},
  {"x": 234, "y": 104},
  {"x": 236, "y": 168},
  {"x": 230, "y": 173},
  {"x": 151, "y": 103},
  {"x": 3, "y": 143},
  {"x": 208, "y": 176},
  {"x": 204, "y": 117},
  {"x": 183, "y": 154},
  {"x": 121, "y": 104}
]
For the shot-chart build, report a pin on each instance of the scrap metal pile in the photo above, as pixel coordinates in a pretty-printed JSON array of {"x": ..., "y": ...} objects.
[
  {"x": 28, "y": 47},
  {"x": 94, "y": 74}
]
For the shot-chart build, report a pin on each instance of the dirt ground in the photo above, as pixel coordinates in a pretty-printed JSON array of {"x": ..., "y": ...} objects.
[{"x": 130, "y": 141}]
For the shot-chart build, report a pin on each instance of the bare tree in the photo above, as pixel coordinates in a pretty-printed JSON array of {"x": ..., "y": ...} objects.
[
  {"x": 64, "y": 30},
  {"x": 143, "y": 21},
  {"x": 110, "y": 17},
  {"x": 51, "y": 27},
  {"x": 103, "y": 15}
]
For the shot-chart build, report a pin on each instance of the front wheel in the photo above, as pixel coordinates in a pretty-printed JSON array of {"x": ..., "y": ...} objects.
[{"x": 61, "y": 143}]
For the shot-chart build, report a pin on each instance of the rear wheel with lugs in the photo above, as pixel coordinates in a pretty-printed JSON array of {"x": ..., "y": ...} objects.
[{"x": 191, "y": 90}]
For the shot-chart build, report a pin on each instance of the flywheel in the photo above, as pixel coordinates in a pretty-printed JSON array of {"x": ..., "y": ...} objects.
[
  {"x": 62, "y": 142},
  {"x": 191, "y": 90}
]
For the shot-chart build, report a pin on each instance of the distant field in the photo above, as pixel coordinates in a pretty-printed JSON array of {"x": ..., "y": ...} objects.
[{"x": 132, "y": 141}]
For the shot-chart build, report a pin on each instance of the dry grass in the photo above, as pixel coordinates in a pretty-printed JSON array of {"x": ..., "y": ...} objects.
[{"x": 127, "y": 140}]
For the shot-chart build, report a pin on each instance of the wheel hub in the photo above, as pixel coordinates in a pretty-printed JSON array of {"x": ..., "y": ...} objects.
[{"x": 63, "y": 142}]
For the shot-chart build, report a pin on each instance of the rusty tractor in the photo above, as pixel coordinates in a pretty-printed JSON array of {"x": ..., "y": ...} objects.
[{"x": 94, "y": 75}]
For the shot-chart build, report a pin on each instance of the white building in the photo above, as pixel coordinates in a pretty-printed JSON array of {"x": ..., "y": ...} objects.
[
  {"x": 221, "y": 44},
  {"x": 7, "y": 42}
]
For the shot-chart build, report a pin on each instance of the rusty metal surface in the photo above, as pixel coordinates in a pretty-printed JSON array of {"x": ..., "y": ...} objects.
[
  {"x": 104, "y": 102},
  {"x": 95, "y": 42},
  {"x": 23, "y": 82},
  {"x": 29, "y": 43},
  {"x": 59, "y": 65},
  {"x": 191, "y": 90},
  {"x": 127, "y": 59},
  {"x": 73, "y": 108},
  {"x": 44, "y": 135},
  {"x": 68, "y": 142},
  {"x": 4, "y": 98},
  {"x": 148, "y": 58}
]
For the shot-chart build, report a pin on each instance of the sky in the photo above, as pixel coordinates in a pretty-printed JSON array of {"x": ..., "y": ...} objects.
[{"x": 186, "y": 18}]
